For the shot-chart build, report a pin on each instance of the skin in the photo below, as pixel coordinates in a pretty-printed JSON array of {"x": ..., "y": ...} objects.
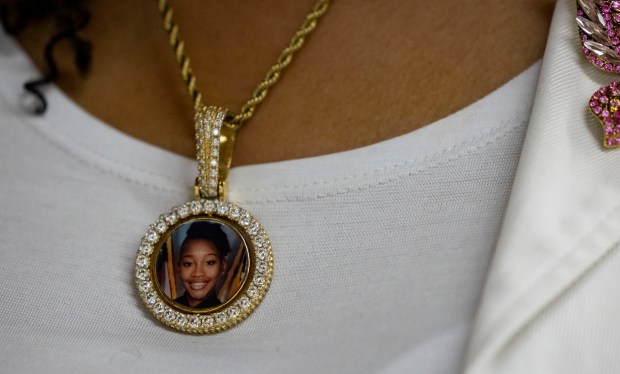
[
  {"x": 372, "y": 70},
  {"x": 199, "y": 268}
]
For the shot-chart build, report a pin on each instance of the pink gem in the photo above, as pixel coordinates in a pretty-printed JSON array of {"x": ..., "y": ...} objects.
[
  {"x": 607, "y": 17},
  {"x": 605, "y": 113},
  {"x": 600, "y": 63},
  {"x": 615, "y": 40},
  {"x": 613, "y": 84},
  {"x": 609, "y": 67},
  {"x": 580, "y": 13},
  {"x": 592, "y": 59},
  {"x": 611, "y": 33},
  {"x": 603, "y": 99},
  {"x": 615, "y": 91},
  {"x": 598, "y": 109},
  {"x": 616, "y": 130},
  {"x": 608, "y": 131},
  {"x": 597, "y": 95},
  {"x": 610, "y": 142},
  {"x": 593, "y": 104},
  {"x": 616, "y": 17},
  {"x": 613, "y": 104},
  {"x": 605, "y": 8},
  {"x": 584, "y": 38},
  {"x": 617, "y": 115},
  {"x": 609, "y": 123},
  {"x": 615, "y": 4}
]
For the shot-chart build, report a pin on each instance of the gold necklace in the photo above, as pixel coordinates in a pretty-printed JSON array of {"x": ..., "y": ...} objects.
[{"x": 205, "y": 265}]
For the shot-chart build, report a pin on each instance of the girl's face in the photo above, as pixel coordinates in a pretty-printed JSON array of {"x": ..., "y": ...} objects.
[{"x": 199, "y": 268}]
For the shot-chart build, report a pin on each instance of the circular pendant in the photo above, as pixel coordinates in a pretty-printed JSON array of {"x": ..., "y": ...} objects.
[{"x": 204, "y": 266}]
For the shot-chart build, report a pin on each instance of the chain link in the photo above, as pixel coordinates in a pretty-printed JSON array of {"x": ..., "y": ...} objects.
[{"x": 272, "y": 76}]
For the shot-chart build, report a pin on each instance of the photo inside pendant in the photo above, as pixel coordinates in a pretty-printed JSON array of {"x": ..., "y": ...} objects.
[{"x": 202, "y": 264}]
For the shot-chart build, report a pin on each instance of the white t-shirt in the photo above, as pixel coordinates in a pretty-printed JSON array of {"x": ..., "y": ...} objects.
[{"x": 380, "y": 252}]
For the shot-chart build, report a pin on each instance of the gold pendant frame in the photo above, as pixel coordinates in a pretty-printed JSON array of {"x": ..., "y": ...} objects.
[
  {"x": 252, "y": 261},
  {"x": 246, "y": 298}
]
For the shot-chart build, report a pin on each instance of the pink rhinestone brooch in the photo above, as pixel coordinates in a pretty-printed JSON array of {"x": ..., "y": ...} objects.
[{"x": 599, "y": 32}]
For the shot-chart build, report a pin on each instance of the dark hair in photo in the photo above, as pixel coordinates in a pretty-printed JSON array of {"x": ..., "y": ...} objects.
[{"x": 202, "y": 230}]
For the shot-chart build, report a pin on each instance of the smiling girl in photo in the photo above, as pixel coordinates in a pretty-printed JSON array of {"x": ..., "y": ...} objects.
[{"x": 201, "y": 263}]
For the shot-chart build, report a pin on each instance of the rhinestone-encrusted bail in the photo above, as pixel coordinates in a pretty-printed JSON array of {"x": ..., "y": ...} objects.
[{"x": 212, "y": 172}]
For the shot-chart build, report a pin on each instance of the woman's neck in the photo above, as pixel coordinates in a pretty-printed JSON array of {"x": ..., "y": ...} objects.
[{"x": 371, "y": 71}]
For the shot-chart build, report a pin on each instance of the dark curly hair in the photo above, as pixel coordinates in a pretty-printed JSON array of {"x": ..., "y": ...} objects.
[
  {"x": 70, "y": 16},
  {"x": 203, "y": 230}
]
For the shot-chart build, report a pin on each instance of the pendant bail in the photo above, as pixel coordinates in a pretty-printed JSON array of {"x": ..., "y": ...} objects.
[{"x": 214, "y": 149}]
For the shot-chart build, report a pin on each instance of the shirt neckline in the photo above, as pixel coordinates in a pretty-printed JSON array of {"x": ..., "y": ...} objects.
[{"x": 91, "y": 139}]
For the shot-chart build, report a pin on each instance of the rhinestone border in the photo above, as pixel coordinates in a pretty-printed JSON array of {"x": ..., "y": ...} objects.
[{"x": 233, "y": 311}]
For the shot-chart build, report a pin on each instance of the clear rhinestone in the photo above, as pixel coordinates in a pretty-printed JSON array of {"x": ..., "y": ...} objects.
[
  {"x": 221, "y": 318},
  {"x": 181, "y": 320},
  {"x": 151, "y": 298},
  {"x": 262, "y": 254},
  {"x": 142, "y": 274},
  {"x": 261, "y": 267},
  {"x": 589, "y": 9},
  {"x": 171, "y": 218},
  {"x": 158, "y": 308},
  {"x": 169, "y": 315},
  {"x": 208, "y": 321},
  {"x": 235, "y": 212},
  {"x": 602, "y": 51},
  {"x": 195, "y": 207},
  {"x": 598, "y": 48},
  {"x": 194, "y": 322},
  {"x": 593, "y": 29},
  {"x": 214, "y": 163},
  {"x": 601, "y": 18},
  {"x": 233, "y": 312},
  {"x": 151, "y": 236},
  {"x": 254, "y": 228},
  {"x": 259, "y": 280},
  {"x": 161, "y": 227},
  {"x": 222, "y": 208},
  {"x": 144, "y": 286},
  {"x": 209, "y": 206},
  {"x": 216, "y": 132},
  {"x": 145, "y": 249},
  {"x": 142, "y": 261},
  {"x": 183, "y": 211},
  {"x": 245, "y": 220},
  {"x": 252, "y": 292},
  {"x": 259, "y": 241},
  {"x": 244, "y": 302}
]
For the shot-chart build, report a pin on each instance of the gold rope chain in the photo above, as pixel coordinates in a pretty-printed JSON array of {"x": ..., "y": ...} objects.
[{"x": 272, "y": 76}]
